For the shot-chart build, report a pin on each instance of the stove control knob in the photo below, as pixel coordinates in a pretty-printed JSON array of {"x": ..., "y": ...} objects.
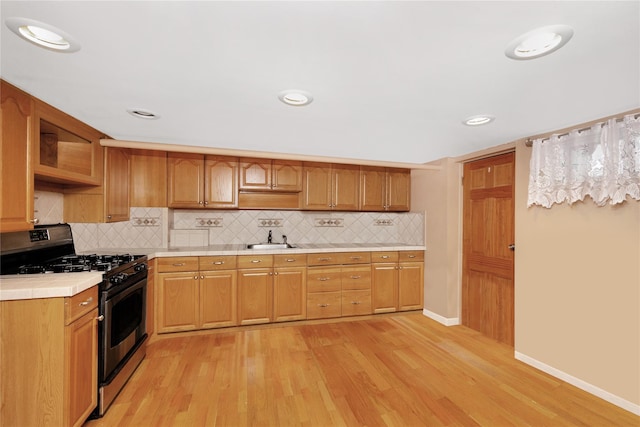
[
  {"x": 140, "y": 267},
  {"x": 118, "y": 278}
]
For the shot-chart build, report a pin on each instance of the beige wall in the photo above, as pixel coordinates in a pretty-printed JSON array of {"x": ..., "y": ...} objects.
[{"x": 577, "y": 280}]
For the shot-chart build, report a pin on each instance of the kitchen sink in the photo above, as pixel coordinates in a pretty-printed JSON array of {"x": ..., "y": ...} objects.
[{"x": 263, "y": 246}]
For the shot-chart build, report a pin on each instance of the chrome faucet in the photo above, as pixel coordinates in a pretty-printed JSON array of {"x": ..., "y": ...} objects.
[
  {"x": 284, "y": 239},
  {"x": 270, "y": 237}
]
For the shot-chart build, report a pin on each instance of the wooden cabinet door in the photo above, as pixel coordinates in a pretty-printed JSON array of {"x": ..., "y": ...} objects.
[
  {"x": 81, "y": 368},
  {"x": 398, "y": 190},
  {"x": 372, "y": 189},
  {"x": 148, "y": 183},
  {"x": 345, "y": 187},
  {"x": 16, "y": 175},
  {"x": 218, "y": 299},
  {"x": 316, "y": 187},
  {"x": 255, "y": 174},
  {"x": 286, "y": 176},
  {"x": 410, "y": 286},
  {"x": 117, "y": 168},
  {"x": 384, "y": 287},
  {"x": 255, "y": 296},
  {"x": 177, "y": 296},
  {"x": 221, "y": 182},
  {"x": 185, "y": 188},
  {"x": 289, "y": 294}
]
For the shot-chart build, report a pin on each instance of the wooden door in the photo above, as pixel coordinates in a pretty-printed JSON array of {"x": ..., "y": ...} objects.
[
  {"x": 148, "y": 182},
  {"x": 345, "y": 186},
  {"x": 185, "y": 187},
  {"x": 117, "y": 166},
  {"x": 177, "y": 308},
  {"x": 255, "y": 174},
  {"x": 316, "y": 186},
  {"x": 16, "y": 175},
  {"x": 221, "y": 182},
  {"x": 218, "y": 299},
  {"x": 372, "y": 189},
  {"x": 255, "y": 296},
  {"x": 290, "y": 294},
  {"x": 398, "y": 189},
  {"x": 488, "y": 232},
  {"x": 286, "y": 176}
]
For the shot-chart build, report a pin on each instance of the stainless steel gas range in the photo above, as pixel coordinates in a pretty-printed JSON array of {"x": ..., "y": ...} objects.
[{"x": 49, "y": 249}]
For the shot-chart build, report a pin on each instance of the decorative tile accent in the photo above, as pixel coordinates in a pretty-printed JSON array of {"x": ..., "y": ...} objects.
[
  {"x": 145, "y": 221},
  {"x": 329, "y": 222},
  {"x": 383, "y": 222},
  {"x": 208, "y": 222},
  {"x": 270, "y": 222}
]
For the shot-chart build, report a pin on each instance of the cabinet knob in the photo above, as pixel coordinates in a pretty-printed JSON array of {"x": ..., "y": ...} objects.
[
  {"x": 34, "y": 221},
  {"x": 100, "y": 318},
  {"x": 206, "y": 203},
  {"x": 108, "y": 216}
]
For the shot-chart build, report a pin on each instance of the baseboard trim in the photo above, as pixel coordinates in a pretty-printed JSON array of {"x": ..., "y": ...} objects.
[
  {"x": 589, "y": 388},
  {"x": 447, "y": 321}
]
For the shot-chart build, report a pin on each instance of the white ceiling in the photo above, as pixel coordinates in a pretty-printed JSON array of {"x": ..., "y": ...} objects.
[{"x": 391, "y": 80}]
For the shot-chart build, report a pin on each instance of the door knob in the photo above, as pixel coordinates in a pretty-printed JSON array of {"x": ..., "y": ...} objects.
[{"x": 512, "y": 247}]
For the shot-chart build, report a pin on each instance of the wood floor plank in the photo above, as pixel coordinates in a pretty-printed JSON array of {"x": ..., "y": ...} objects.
[{"x": 390, "y": 370}]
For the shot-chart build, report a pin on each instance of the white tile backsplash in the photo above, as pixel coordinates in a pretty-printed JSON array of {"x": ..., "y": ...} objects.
[{"x": 162, "y": 227}]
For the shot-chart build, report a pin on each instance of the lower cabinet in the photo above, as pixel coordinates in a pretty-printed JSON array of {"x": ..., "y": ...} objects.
[
  {"x": 324, "y": 292},
  {"x": 289, "y": 287},
  {"x": 397, "y": 281},
  {"x": 255, "y": 289},
  {"x": 356, "y": 290},
  {"x": 48, "y": 360}
]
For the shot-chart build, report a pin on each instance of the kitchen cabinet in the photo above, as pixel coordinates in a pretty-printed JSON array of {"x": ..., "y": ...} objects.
[
  {"x": 330, "y": 187},
  {"x": 385, "y": 189},
  {"x": 16, "y": 175},
  {"x": 397, "y": 281},
  {"x": 289, "y": 287},
  {"x": 65, "y": 150},
  {"x": 198, "y": 181},
  {"x": 255, "y": 289},
  {"x": 270, "y": 175},
  {"x": 106, "y": 203},
  {"x": 195, "y": 293},
  {"x": 356, "y": 290},
  {"x": 61, "y": 388},
  {"x": 148, "y": 180}
]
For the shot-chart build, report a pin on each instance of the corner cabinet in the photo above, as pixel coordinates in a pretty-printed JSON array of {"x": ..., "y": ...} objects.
[
  {"x": 61, "y": 388},
  {"x": 196, "y": 181},
  {"x": 16, "y": 176},
  {"x": 385, "y": 189}
]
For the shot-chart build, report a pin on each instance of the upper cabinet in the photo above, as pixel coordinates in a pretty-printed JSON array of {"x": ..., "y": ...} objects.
[
  {"x": 16, "y": 177},
  {"x": 65, "y": 150},
  {"x": 198, "y": 181},
  {"x": 148, "y": 180},
  {"x": 385, "y": 189},
  {"x": 330, "y": 187},
  {"x": 270, "y": 175}
]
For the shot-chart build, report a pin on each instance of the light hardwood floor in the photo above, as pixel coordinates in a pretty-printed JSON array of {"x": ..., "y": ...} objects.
[{"x": 397, "y": 370}]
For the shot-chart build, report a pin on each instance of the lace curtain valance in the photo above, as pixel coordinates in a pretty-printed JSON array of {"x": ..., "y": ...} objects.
[{"x": 602, "y": 162}]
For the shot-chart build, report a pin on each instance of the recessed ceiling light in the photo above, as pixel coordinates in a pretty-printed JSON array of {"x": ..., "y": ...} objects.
[
  {"x": 479, "y": 120},
  {"x": 42, "y": 34},
  {"x": 539, "y": 42},
  {"x": 297, "y": 98},
  {"x": 141, "y": 113}
]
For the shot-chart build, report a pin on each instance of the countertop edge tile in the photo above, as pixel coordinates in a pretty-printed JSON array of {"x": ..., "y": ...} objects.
[{"x": 17, "y": 287}]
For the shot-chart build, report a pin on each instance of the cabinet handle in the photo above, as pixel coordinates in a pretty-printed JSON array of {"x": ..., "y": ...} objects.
[
  {"x": 218, "y": 263},
  {"x": 206, "y": 203},
  {"x": 412, "y": 256},
  {"x": 100, "y": 318},
  {"x": 324, "y": 259},
  {"x": 355, "y": 258},
  {"x": 255, "y": 261},
  {"x": 87, "y": 302},
  {"x": 355, "y": 302},
  {"x": 385, "y": 257},
  {"x": 356, "y": 277},
  {"x": 291, "y": 260},
  {"x": 178, "y": 264},
  {"x": 324, "y": 279},
  {"x": 323, "y": 305}
]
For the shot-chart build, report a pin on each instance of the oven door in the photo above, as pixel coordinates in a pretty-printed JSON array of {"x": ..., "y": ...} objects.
[{"x": 123, "y": 326}]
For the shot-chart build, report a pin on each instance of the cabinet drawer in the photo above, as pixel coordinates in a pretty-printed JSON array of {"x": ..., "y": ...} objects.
[
  {"x": 356, "y": 258},
  {"x": 212, "y": 263},
  {"x": 324, "y": 279},
  {"x": 331, "y": 258},
  {"x": 324, "y": 304},
  {"x": 181, "y": 263},
  {"x": 255, "y": 261},
  {"x": 404, "y": 256},
  {"x": 384, "y": 256},
  {"x": 356, "y": 277},
  {"x": 80, "y": 304},
  {"x": 293, "y": 260},
  {"x": 356, "y": 303}
]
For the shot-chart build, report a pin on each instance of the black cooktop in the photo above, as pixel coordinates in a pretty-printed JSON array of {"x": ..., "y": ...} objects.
[{"x": 79, "y": 263}]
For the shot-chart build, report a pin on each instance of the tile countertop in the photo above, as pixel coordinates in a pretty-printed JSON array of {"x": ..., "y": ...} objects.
[
  {"x": 32, "y": 286},
  {"x": 241, "y": 249}
]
